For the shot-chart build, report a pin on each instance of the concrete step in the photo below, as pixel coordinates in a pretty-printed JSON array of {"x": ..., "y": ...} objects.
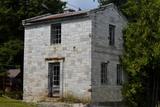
[
  {"x": 60, "y": 105},
  {"x": 71, "y": 105},
  {"x": 52, "y": 99}
]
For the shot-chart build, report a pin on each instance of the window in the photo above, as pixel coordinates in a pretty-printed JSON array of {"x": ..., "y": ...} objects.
[
  {"x": 104, "y": 73},
  {"x": 55, "y": 33},
  {"x": 111, "y": 35},
  {"x": 54, "y": 70},
  {"x": 119, "y": 74},
  {"x": 56, "y": 74}
]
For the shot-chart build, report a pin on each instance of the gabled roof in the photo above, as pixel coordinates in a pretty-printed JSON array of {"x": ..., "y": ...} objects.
[
  {"x": 66, "y": 15},
  {"x": 48, "y": 17}
]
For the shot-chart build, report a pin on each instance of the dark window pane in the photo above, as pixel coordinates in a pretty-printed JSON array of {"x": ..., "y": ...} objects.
[
  {"x": 55, "y": 33},
  {"x": 53, "y": 78},
  {"x": 111, "y": 34},
  {"x": 104, "y": 73},
  {"x": 119, "y": 74}
]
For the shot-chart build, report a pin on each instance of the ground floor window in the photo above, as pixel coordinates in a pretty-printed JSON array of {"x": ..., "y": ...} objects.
[
  {"x": 104, "y": 79},
  {"x": 119, "y": 74}
]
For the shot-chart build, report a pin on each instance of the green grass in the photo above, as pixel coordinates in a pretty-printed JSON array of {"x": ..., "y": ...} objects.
[{"x": 6, "y": 102}]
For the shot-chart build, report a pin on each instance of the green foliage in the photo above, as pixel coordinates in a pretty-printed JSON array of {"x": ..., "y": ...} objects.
[
  {"x": 1, "y": 93},
  {"x": 116, "y": 2},
  {"x": 141, "y": 48},
  {"x": 14, "y": 94},
  {"x": 12, "y": 12},
  {"x": 9, "y": 52},
  {"x": 131, "y": 9}
]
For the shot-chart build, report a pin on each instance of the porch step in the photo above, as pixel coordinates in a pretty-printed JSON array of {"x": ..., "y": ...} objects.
[
  {"x": 73, "y": 105},
  {"x": 61, "y": 105},
  {"x": 52, "y": 99}
]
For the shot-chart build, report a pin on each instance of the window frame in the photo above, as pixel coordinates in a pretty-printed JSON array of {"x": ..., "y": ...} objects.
[
  {"x": 112, "y": 34},
  {"x": 54, "y": 72},
  {"x": 54, "y": 80},
  {"x": 56, "y": 31},
  {"x": 104, "y": 73},
  {"x": 119, "y": 74}
]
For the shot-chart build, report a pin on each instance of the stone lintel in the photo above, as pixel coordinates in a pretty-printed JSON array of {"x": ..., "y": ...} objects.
[{"x": 55, "y": 58}]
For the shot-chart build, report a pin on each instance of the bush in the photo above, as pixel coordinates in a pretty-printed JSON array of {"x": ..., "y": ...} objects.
[
  {"x": 1, "y": 93},
  {"x": 14, "y": 94}
]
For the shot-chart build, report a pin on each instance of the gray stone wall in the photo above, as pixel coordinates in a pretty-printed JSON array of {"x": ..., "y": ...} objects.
[
  {"x": 76, "y": 68},
  {"x": 35, "y": 67},
  {"x": 103, "y": 52},
  {"x": 85, "y": 45}
]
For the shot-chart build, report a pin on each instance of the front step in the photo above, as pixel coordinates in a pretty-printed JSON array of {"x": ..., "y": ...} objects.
[
  {"x": 61, "y": 105},
  {"x": 52, "y": 99}
]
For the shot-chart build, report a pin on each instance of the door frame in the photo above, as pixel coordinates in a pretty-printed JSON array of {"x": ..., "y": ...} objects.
[{"x": 61, "y": 85}]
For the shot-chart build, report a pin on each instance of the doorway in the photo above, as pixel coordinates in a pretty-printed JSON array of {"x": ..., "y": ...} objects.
[{"x": 54, "y": 79}]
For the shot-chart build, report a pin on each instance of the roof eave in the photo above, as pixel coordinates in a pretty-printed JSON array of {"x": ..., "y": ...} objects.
[{"x": 31, "y": 21}]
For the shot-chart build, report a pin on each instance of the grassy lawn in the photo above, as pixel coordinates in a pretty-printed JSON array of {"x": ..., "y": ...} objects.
[{"x": 6, "y": 102}]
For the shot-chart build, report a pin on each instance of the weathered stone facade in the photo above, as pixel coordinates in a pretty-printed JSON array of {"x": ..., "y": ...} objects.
[
  {"x": 75, "y": 70},
  {"x": 103, "y": 52},
  {"x": 84, "y": 46}
]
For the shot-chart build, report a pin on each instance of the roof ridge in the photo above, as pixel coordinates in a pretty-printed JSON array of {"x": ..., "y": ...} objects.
[
  {"x": 36, "y": 17},
  {"x": 53, "y": 16},
  {"x": 47, "y": 17}
]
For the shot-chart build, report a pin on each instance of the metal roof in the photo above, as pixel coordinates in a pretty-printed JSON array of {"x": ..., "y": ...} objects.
[
  {"x": 48, "y": 17},
  {"x": 65, "y": 15}
]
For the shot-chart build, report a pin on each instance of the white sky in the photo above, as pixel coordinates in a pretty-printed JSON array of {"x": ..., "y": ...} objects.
[{"x": 83, "y": 4}]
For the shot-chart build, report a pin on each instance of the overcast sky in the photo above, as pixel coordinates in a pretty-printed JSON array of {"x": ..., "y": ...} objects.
[{"x": 83, "y": 4}]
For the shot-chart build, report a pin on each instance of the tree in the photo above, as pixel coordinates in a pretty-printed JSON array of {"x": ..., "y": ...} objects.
[
  {"x": 8, "y": 52},
  {"x": 142, "y": 53},
  {"x": 141, "y": 58},
  {"x": 116, "y": 2},
  {"x": 12, "y": 12}
]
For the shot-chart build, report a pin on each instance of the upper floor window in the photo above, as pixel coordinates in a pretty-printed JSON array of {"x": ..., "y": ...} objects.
[
  {"x": 111, "y": 35},
  {"x": 119, "y": 74},
  {"x": 104, "y": 75},
  {"x": 55, "y": 33}
]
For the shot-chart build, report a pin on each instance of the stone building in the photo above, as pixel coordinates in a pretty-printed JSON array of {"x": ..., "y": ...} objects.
[{"x": 74, "y": 53}]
